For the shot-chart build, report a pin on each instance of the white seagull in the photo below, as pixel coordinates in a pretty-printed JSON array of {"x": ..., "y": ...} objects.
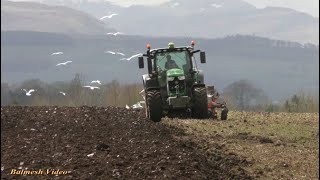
[
  {"x": 141, "y": 91},
  {"x": 92, "y": 87},
  {"x": 62, "y": 93},
  {"x": 28, "y": 93},
  {"x": 127, "y": 106},
  {"x": 90, "y": 155},
  {"x": 56, "y": 53},
  {"x": 110, "y": 16},
  {"x": 137, "y": 106},
  {"x": 115, "y": 34},
  {"x": 110, "y": 52},
  {"x": 143, "y": 96},
  {"x": 120, "y": 53},
  {"x": 97, "y": 81},
  {"x": 128, "y": 59},
  {"x": 175, "y": 5},
  {"x": 65, "y": 63},
  {"x": 216, "y": 5}
]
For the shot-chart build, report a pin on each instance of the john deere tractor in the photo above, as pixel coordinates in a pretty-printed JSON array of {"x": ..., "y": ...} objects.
[{"x": 174, "y": 83}]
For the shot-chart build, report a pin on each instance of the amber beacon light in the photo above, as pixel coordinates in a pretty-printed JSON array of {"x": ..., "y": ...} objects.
[{"x": 192, "y": 43}]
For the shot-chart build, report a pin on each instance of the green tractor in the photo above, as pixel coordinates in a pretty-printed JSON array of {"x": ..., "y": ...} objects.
[{"x": 173, "y": 83}]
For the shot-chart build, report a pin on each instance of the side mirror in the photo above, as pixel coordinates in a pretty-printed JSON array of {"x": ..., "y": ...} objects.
[
  {"x": 141, "y": 62},
  {"x": 203, "y": 57}
]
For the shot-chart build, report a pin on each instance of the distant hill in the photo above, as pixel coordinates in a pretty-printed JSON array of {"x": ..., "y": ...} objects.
[
  {"x": 29, "y": 16},
  {"x": 204, "y": 19},
  {"x": 281, "y": 68}
]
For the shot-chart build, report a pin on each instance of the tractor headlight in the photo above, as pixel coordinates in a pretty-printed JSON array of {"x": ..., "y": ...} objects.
[
  {"x": 181, "y": 78},
  {"x": 170, "y": 78}
]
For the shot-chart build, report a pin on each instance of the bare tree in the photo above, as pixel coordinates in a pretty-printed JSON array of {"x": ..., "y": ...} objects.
[
  {"x": 113, "y": 92},
  {"x": 301, "y": 102},
  {"x": 244, "y": 95},
  {"x": 75, "y": 90}
]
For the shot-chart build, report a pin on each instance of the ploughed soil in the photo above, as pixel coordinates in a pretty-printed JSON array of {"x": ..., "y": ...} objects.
[{"x": 106, "y": 143}]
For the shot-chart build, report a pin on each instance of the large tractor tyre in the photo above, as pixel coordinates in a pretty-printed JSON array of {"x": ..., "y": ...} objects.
[
  {"x": 200, "y": 103},
  {"x": 154, "y": 105},
  {"x": 224, "y": 114}
]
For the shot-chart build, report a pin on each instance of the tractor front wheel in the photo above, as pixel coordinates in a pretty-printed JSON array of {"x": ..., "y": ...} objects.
[
  {"x": 200, "y": 103},
  {"x": 154, "y": 105}
]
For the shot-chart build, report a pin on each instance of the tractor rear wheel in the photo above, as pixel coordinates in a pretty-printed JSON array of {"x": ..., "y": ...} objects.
[
  {"x": 154, "y": 105},
  {"x": 200, "y": 103}
]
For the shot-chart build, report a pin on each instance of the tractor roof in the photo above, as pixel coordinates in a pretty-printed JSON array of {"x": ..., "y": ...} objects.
[{"x": 162, "y": 50}]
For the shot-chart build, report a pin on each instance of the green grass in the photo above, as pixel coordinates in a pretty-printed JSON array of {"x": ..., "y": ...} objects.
[
  {"x": 294, "y": 141},
  {"x": 287, "y": 127}
]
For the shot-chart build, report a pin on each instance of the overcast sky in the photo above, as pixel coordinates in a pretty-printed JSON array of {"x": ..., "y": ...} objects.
[{"x": 308, "y": 6}]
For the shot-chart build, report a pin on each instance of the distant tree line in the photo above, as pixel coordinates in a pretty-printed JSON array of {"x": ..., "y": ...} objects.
[
  {"x": 244, "y": 96},
  {"x": 240, "y": 96},
  {"x": 110, "y": 94}
]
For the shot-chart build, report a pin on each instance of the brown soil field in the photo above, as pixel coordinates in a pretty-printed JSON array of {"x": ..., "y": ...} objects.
[{"x": 116, "y": 143}]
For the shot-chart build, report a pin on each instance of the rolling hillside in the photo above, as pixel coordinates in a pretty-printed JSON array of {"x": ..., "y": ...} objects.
[
  {"x": 280, "y": 68},
  {"x": 204, "y": 19},
  {"x": 29, "y": 16}
]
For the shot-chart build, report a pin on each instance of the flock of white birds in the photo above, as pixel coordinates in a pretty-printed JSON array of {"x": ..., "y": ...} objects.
[{"x": 135, "y": 106}]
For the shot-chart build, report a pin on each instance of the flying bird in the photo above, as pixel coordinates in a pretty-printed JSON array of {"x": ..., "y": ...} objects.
[
  {"x": 92, "y": 87},
  {"x": 175, "y": 5},
  {"x": 62, "y": 93},
  {"x": 216, "y": 5},
  {"x": 128, "y": 59},
  {"x": 65, "y": 63},
  {"x": 97, "y": 81},
  {"x": 114, "y": 53},
  {"x": 114, "y": 34},
  {"x": 141, "y": 91},
  {"x": 56, "y": 53},
  {"x": 143, "y": 96},
  {"x": 110, "y": 16},
  {"x": 110, "y": 52},
  {"x": 120, "y": 53},
  {"x": 28, "y": 93}
]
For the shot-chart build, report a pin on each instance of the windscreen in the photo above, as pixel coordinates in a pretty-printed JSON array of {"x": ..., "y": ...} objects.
[{"x": 181, "y": 60}]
